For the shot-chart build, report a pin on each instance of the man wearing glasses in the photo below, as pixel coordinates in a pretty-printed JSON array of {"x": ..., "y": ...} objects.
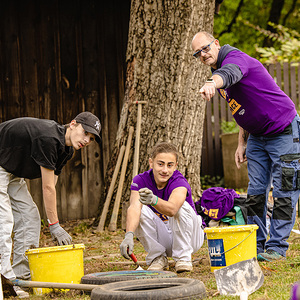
[{"x": 268, "y": 137}]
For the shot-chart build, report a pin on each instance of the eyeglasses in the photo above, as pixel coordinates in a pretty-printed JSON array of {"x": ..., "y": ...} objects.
[{"x": 205, "y": 49}]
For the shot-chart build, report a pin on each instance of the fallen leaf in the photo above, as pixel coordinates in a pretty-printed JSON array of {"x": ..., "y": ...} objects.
[{"x": 269, "y": 269}]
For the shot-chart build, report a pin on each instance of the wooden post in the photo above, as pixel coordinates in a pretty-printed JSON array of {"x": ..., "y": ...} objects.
[
  {"x": 1, "y": 291},
  {"x": 110, "y": 191},
  {"x": 114, "y": 217},
  {"x": 137, "y": 138}
]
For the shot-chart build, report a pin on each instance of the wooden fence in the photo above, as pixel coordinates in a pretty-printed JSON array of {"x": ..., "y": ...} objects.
[
  {"x": 287, "y": 77},
  {"x": 58, "y": 58}
]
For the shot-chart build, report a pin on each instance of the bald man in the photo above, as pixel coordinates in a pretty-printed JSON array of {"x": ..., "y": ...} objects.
[{"x": 268, "y": 137}]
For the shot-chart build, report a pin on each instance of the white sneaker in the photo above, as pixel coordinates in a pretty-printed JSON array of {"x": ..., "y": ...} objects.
[
  {"x": 20, "y": 293},
  {"x": 183, "y": 266},
  {"x": 159, "y": 263}
]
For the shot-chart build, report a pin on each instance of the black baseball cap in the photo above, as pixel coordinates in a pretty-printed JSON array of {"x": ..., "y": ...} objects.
[{"x": 90, "y": 123}]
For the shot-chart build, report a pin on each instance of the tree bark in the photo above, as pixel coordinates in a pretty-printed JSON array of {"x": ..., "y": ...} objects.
[{"x": 162, "y": 71}]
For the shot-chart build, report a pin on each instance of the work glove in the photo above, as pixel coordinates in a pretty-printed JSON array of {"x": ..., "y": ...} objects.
[
  {"x": 126, "y": 246},
  {"x": 147, "y": 197},
  {"x": 60, "y": 235}
]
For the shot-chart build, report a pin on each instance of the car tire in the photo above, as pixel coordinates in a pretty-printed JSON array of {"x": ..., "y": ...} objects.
[
  {"x": 150, "y": 289},
  {"x": 113, "y": 276}
]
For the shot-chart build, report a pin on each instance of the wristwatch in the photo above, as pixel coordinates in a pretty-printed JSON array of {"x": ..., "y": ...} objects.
[{"x": 210, "y": 80}]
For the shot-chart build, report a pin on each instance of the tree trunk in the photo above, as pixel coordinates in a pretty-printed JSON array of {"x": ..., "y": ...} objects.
[
  {"x": 162, "y": 71},
  {"x": 274, "y": 17}
]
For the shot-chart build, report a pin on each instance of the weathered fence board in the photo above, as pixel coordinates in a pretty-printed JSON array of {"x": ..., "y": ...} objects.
[{"x": 59, "y": 58}]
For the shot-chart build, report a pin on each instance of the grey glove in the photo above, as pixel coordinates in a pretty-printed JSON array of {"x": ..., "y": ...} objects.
[
  {"x": 60, "y": 235},
  {"x": 147, "y": 197},
  {"x": 126, "y": 246}
]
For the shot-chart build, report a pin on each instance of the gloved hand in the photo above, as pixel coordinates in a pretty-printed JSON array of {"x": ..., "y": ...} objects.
[
  {"x": 60, "y": 235},
  {"x": 126, "y": 246},
  {"x": 147, "y": 197}
]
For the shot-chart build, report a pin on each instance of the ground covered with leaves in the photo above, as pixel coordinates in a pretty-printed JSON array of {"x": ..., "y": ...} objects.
[{"x": 102, "y": 254}]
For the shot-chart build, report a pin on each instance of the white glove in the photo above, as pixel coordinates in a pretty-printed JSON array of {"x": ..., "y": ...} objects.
[
  {"x": 60, "y": 235},
  {"x": 147, "y": 197},
  {"x": 126, "y": 246}
]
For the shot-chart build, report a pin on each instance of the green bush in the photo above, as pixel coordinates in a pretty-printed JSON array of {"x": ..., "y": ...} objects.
[
  {"x": 229, "y": 126},
  {"x": 287, "y": 45}
]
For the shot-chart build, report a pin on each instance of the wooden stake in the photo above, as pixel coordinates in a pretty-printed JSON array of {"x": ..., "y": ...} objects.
[
  {"x": 137, "y": 138},
  {"x": 110, "y": 191},
  {"x": 114, "y": 217},
  {"x": 1, "y": 291}
]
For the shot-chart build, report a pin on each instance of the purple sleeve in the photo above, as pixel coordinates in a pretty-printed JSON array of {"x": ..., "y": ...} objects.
[
  {"x": 179, "y": 182},
  {"x": 182, "y": 182},
  {"x": 137, "y": 183},
  {"x": 233, "y": 68},
  {"x": 240, "y": 59}
]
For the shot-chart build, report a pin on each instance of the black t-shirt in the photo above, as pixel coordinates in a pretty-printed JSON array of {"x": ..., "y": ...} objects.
[{"x": 28, "y": 143}]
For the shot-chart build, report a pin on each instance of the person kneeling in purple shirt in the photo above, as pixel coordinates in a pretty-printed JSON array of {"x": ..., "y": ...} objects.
[{"x": 162, "y": 213}]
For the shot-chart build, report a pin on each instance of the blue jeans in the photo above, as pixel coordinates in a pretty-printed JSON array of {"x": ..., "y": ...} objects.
[{"x": 274, "y": 159}]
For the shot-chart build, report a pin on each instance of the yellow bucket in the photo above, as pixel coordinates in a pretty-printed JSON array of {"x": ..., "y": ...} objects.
[
  {"x": 229, "y": 245},
  {"x": 56, "y": 264}
]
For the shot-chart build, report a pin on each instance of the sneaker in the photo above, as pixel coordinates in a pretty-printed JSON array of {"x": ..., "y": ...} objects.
[
  {"x": 260, "y": 257},
  {"x": 159, "y": 263},
  {"x": 20, "y": 293},
  {"x": 269, "y": 255},
  {"x": 183, "y": 266}
]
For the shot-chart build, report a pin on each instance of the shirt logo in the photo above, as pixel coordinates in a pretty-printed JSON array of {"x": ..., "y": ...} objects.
[
  {"x": 97, "y": 125},
  {"x": 223, "y": 93},
  {"x": 213, "y": 213},
  {"x": 163, "y": 217},
  {"x": 234, "y": 106}
]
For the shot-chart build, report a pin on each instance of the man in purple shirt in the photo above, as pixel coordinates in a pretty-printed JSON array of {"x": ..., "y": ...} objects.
[
  {"x": 268, "y": 137},
  {"x": 162, "y": 213}
]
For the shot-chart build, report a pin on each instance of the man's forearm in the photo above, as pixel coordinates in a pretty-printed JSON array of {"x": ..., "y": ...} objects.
[
  {"x": 49, "y": 195},
  {"x": 133, "y": 219},
  {"x": 49, "y": 180},
  {"x": 218, "y": 81},
  {"x": 243, "y": 136}
]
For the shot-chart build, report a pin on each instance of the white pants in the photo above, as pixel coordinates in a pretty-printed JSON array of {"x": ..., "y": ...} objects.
[
  {"x": 178, "y": 238},
  {"x": 18, "y": 214}
]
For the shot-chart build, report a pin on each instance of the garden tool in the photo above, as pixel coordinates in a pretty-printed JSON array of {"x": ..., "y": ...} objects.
[
  {"x": 240, "y": 279},
  {"x": 133, "y": 257},
  {"x": 50, "y": 285}
]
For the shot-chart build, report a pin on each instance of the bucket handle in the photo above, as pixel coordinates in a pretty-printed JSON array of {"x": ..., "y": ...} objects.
[{"x": 252, "y": 230}]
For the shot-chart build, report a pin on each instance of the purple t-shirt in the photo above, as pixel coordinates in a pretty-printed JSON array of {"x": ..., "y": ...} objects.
[
  {"x": 146, "y": 179},
  {"x": 257, "y": 103}
]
